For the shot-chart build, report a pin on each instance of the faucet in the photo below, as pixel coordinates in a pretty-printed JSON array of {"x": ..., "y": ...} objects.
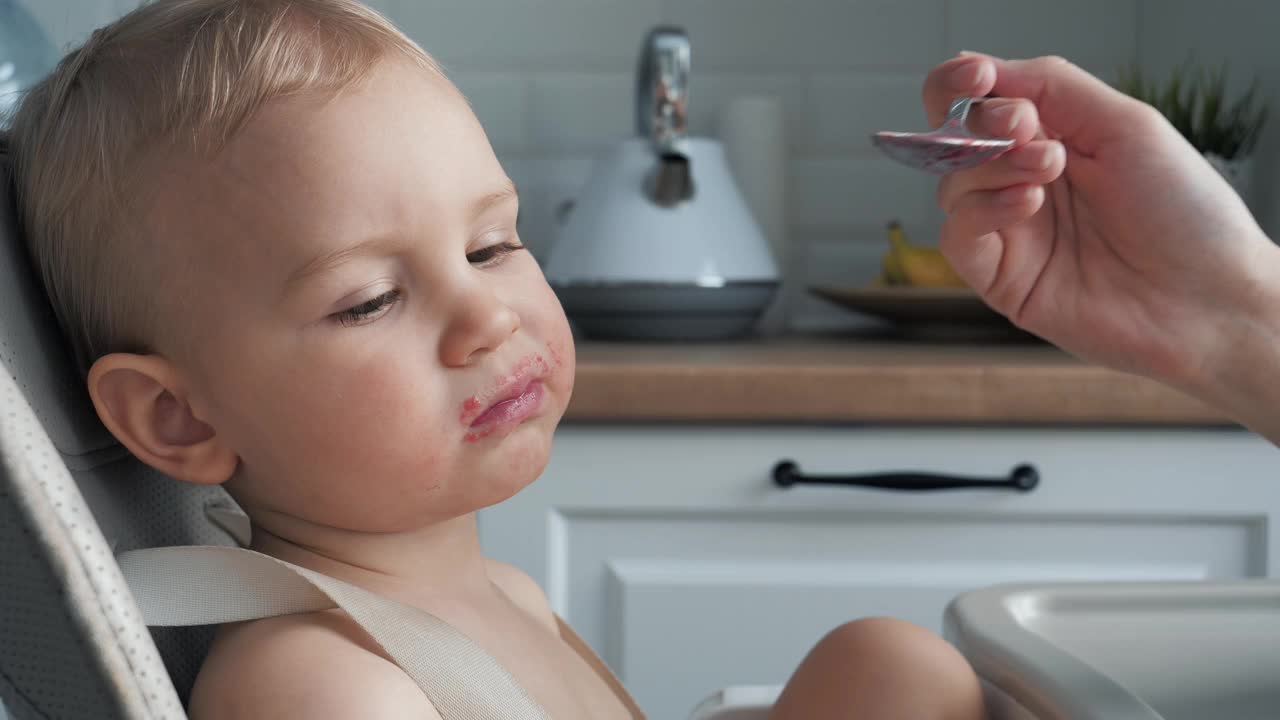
[{"x": 662, "y": 95}]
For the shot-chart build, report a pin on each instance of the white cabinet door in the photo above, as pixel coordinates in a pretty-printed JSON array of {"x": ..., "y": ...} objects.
[{"x": 670, "y": 549}]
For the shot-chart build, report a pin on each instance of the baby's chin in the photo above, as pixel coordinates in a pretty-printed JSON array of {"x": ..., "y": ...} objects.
[{"x": 517, "y": 460}]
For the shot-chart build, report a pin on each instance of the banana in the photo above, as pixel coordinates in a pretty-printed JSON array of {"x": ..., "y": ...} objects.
[
  {"x": 898, "y": 242},
  {"x": 892, "y": 272},
  {"x": 926, "y": 267},
  {"x": 907, "y": 264}
]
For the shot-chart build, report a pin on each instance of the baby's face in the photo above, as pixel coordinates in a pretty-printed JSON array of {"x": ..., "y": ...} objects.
[{"x": 358, "y": 301}]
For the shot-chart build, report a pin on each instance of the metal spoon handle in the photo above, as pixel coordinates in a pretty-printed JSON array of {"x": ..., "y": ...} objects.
[{"x": 958, "y": 113}]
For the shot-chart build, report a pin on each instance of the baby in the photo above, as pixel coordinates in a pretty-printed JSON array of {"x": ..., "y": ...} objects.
[{"x": 287, "y": 260}]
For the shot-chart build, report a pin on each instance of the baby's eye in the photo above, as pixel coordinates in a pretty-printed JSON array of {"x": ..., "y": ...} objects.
[
  {"x": 493, "y": 254},
  {"x": 369, "y": 310}
]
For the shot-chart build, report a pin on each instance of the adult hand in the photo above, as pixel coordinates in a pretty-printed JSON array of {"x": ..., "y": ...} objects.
[{"x": 1104, "y": 231}]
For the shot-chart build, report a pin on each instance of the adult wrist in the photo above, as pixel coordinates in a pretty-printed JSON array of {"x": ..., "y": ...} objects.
[{"x": 1240, "y": 371}]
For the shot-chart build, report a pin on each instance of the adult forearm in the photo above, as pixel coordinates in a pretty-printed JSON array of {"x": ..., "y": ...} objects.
[{"x": 1242, "y": 373}]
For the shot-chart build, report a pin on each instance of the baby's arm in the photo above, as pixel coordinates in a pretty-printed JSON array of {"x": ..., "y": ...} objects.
[{"x": 303, "y": 667}]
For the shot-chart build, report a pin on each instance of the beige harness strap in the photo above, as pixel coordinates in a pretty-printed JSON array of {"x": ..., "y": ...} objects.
[
  {"x": 203, "y": 585},
  {"x": 586, "y": 653}
]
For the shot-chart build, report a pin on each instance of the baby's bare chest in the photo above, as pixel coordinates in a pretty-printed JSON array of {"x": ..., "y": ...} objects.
[
  {"x": 542, "y": 663},
  {"x": 556, "y": 676}
]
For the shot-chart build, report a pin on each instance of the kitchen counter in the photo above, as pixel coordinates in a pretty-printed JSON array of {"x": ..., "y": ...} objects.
[{"x": 818, "y": 379}]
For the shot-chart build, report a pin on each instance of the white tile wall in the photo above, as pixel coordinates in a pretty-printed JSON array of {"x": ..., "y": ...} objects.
[
  {"x": 806, "y": 35},
  {"x": 846, "y": 107},
  {"x": 855, "y": 193},
  {"x": 527, "y": 34},
  {"x": 1098, "y": 35},
  {"x": 551, "y": 81},
  {"x": 500, "y": 100},
  {"x": 576, "y": 110},
  {"x": 716, "y": 87}
]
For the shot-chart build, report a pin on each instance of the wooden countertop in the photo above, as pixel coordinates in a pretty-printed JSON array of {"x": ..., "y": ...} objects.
[{"x": 852, "y": 380}]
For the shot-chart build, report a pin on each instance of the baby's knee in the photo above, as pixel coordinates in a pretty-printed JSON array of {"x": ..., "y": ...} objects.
[
  {"x": 910, "y": 658},
  {"x": 887, "y": 636}
]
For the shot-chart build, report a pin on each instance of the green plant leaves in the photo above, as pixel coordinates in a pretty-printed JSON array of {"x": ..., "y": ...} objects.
[{"x": 1196, "y": 105}]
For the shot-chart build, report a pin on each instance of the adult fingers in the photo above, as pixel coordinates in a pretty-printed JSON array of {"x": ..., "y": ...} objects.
[
  {"x": 1039, "y": 162},
  {"x": 980, "y": 213},
  {"x": 1074, "y": 105}
]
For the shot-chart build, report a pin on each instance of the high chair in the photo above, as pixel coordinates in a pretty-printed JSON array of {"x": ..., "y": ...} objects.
[{"x": 105, "y": 564}]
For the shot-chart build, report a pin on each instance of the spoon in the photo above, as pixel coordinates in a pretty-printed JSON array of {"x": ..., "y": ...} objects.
[{"x": 949, "y": 148}]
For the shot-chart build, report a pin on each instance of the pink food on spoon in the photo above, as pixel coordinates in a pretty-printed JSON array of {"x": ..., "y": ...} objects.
[{"x": 949, "y": 148}]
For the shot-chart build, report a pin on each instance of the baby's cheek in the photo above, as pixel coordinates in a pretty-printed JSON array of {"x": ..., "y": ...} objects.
[
  {"x": 427, "y": 456},
  {"x": 370, "y": 410},
  {"x": 560, "y": 352},
  {"x": 392, "y": 481},
  {"x": 560, "y": 349}
]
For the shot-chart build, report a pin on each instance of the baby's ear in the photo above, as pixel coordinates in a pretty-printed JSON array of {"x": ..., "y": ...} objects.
[{"x": 141, "y": 401}]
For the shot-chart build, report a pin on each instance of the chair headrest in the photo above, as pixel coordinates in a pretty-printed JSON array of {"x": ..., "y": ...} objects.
[
  {"x": 133, "y": 505},
  {"x": 32, "y": 346}
]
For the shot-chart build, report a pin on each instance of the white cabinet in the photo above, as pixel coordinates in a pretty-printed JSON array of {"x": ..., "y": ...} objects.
[{"x": 669, "y": 548}]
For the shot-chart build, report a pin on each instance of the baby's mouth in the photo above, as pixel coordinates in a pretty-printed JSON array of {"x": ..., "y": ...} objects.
[
  {"x": 511, "y": 399},
  {"x": 512, "y": 409}
]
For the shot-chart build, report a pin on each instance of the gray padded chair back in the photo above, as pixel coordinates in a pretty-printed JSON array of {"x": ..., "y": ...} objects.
[{"x": 54, "y": 661}]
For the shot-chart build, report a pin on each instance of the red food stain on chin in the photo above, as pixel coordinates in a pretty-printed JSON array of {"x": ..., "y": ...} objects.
[{"x": 473, "y": 437}]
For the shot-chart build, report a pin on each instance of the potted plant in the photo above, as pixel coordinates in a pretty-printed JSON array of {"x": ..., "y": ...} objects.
[{"x": 1226, "y": 133}]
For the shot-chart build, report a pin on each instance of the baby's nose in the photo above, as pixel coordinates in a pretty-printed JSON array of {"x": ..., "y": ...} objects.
[{"x": 480, "y": 323}]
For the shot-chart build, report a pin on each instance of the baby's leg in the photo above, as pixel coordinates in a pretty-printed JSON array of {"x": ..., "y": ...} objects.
[{"x": 882, "y": 669}]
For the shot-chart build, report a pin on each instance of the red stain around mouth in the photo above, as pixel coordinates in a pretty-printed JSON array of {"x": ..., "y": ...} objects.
[
  {"x": 470, "y": 407},
  {"x": 473, "y": 406},
  {"x": 472, "y": 437}
]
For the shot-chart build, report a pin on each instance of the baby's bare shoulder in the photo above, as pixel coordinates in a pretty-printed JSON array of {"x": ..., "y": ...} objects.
[
  {"x": 314, "y": 665},
  {"x": 523, "y": 591}
]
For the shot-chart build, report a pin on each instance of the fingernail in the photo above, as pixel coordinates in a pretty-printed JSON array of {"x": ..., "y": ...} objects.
[
  {"x": 966, "y": 76},
  {"x": 1003, "y": 116},
  {"x": 1033, "y": 158}
]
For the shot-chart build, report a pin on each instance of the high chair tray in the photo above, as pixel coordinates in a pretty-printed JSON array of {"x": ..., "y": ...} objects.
[{"x": 1125, "y": 651}]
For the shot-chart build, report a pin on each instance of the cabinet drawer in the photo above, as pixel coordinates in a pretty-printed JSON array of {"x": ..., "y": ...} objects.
[{"x": 673, "y": 553}]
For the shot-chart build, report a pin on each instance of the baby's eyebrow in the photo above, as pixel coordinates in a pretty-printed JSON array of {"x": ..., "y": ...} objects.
[
  {"x": 507, "y": 192},
  {"x": 385, "y": 243},
  {"x": 330, "y": 260}
]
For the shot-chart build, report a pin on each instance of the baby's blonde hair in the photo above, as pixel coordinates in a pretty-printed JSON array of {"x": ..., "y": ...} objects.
[{"x": 173, "y": 77}]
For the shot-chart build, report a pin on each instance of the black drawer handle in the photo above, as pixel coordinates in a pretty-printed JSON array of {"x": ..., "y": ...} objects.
[{"x": 1023, "y": 478}]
